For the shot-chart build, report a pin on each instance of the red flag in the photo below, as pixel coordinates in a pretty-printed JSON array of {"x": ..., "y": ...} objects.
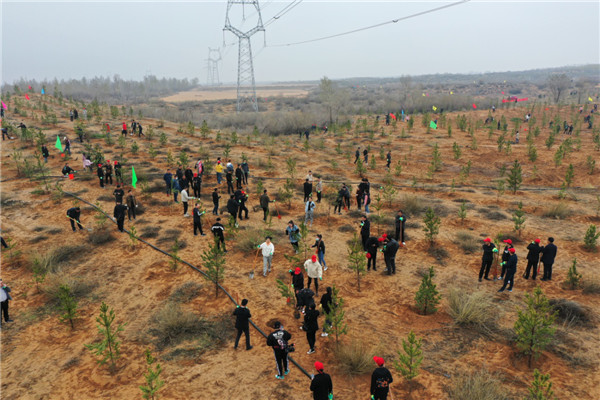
[
  {"x": 474, "y": 106},
  {"x": 393, "y": 116},
  {"x": 502, "y": 92},
  {"x": 27, "y": 96},
  {"x": 29, "y": 87}
]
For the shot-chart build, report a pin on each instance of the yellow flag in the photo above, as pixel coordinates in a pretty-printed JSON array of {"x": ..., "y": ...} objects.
[
  {"x": 590, "y": 99},
  {"x": 423, "y": 94},
  {"x": 434, "y": 108},
  {"x": 451, "y": 92}
]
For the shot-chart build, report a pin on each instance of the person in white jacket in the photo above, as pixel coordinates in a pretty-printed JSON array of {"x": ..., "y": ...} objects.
[
  {"x": 268, "y": 249},
  {"x": 184, "y": 199},
  {"x": 314, "y": 271}
]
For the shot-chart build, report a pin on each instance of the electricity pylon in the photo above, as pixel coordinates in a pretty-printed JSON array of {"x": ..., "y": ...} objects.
[
  {"x": 212, "y": 77},
  {"x": 246, "y": 88}
]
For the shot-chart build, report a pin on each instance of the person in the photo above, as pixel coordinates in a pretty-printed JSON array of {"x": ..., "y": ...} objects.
[
  {"x": 71, "y": 115},
  {"x": 79, "y": 132},
  {"x": 179, "y": 173},
  {"x": 242, "y": 197},
  {"x": 119, "y": 214},
  {"x": 5, "y": 297},
  {"x": 239, "y": 176},
  {"x": 278, "y": 340},
  {"x": 359, "y": 197},
  {"x": 305, "y": 299},
  {"x": 215, "y": 200},
  {"x": 242, "y": 315},
  {"x": 309, "y": 177},
  {"x": 75, "y": 114},
  {"x": 108, "y": 172},
  {"x": 229, "y": 166},
  {"x": 124, "y": 130},
  {"x": 337, "y": 205},
  {"x": 168, "y": 178},
  {"x": 232, "y": 208},
  {"x": 357, "y": 155},
  {"x": 505, "y": 257},
  {"x": 133, "y": 127},
  {"x": 229, "y": 179},
  {"x": 517, "y": 137},
  {"x": 86, "y": 163},
  {"x": 200, "y": 167},
  {"x": 511, "y": 269},
  {"x": 131, "y": 205},
  {"x": 119, "y": 174},
  {"x": 311, "y": 326},
  {"x": 67, "y": 145},
  {"x": 293, "y": 232},
  {"x": 184, "y": 199},
  {"x": 100, "y": 173},
  {"x": 264, "y": 204},
  {"x": 366, "y": 201},
  {"x": 321, "y": 384},
  {"x": 487, "y": 259},
  {"x": 219, "y": 171},
  {"x": 297, "y": 279},
  {"x": 365, "y": 230},
  {"x": 140, "y": 130},
  {"x": 389, "y": 159},
  {"x": 218, "y": 231},
  {"x": 320, "y": 245},
  {"x": 381, "y": 378},
  {"x": 5, "y": 132},
  {"x": 346, "y": 194},
  {"x": 319, "y": 190},
  {"x": 197, "y": 185},
  {"x": 189, "y": 175},
  {"x": 307, "y": 189},
  {"x": 118, "y": 193},
  {"x": 74, "y": 213},
  {"x": 400, "y": 223},
  {"x": 366, "y": 156},
  {"x": 309, "y": 210},
  {"x": 533, "y": 258},
  {"x": 66, "y": 170},
  {"x": 372, "y": 246},
  {"x": 268, "y": 249},
  {"x": 45, "y": 153},
  {"x": 246, "y": 170},
  {"x": 390, "y": 248},
  {"x": 326, "y": 302},
  {"x": 197, "y": 219},
  {"x": 314, "y": 271},
  {"x": 176, "y": 188},
  {"x": 548, "y": 256}
]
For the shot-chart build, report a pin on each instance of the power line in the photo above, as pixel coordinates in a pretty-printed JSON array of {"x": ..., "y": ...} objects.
[
  {"x": 393, "y": 21},
  {"x": 284, "y": 11}
]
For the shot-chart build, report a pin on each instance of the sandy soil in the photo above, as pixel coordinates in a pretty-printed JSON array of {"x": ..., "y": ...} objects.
[{"x": 43, "y": 359}]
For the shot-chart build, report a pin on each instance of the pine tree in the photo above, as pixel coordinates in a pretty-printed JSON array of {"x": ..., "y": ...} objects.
[
  {"x": 153, "y": 381},
  {"x": 432, "y": 225},
  {"x": 573, "y": 280},
  {"x": 519, "y": 218},
  {"x": 590, "y": 238},
  {"x": 410, "y": 359},
  {"x": 286, "y": 292},
  {"x": 336, "y": 316},
  {"x": 541, "y": 387},
  {"x": 361, "y": 169},
  {"x": 515, "y": 178},
  {"x": 68, "y": 305},
  {"x": 436, "y": 158},
  {"x": 356, "y": 258},
  {"x": 457, "y": 151},
  {"x": 109, "y": 347},
  {"x": 462, "y": 212},
  {"x": 534, "y": 325},
  {"x": 427, "y": 296},
  {"x": 214, "y": 261},
  {"x": 570, "y": 174}
]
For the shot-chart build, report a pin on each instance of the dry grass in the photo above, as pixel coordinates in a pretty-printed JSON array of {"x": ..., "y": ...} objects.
[
  {"x": 79, "y": 287},
  {"x": 481, "y": 385},
  {"x": 571, "y": 313},
  {"x": 354, "y": 358},
  {"x": 100, "y": 236},
  {"x": 467, "y": 242},
  {"x": 474, "y": 310},
  {"x": 186, "y": 292},
  {"x": 591, "y": 286},
  {"x": 557, "y": 211},
  {"x": 51, "y": 261}
]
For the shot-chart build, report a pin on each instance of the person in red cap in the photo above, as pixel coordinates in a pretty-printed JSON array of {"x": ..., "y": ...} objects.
[
  {"x": 278, "y": 340},
  {"x": 511, "y": 270},
  {"x": 321, "y": 384},
  {"x": 124, "y": 131},
  {"x": 505, "y": 257},
  {"x": 487, "y": 259},
  {"x": 100, "y": 173},
  {"x": 118, "y": 174},
  {"x": 372, "y": 244},
  {"x": 314, "y": 271},
  {"x": 533, "y": 258},
  {"x": 380, "y": 380},
  {"x": 108, "y": 174},
  {"x": 197, "y": 185}
]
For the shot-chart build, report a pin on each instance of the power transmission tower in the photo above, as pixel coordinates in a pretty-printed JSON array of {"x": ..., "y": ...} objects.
[
  {"x": 246, "y": 88},
  {"x": 212, "y": 77}
]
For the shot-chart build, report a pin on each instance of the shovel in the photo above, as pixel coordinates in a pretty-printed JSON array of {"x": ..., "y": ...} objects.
[
  {"x": 251, "y": 275},
  {"x": 77, "y": 222},
  {"x": 278, "y": 216}
]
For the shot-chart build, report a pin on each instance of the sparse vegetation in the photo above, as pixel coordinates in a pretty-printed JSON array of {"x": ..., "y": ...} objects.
[{"x": 427, "y": 297}]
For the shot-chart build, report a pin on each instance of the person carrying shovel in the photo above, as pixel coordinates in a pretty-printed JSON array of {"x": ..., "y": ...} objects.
[{"x": 73, "y": 214}]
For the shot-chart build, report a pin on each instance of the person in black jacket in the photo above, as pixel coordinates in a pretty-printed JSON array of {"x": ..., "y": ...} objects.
[
  {"x": 366, "y": 156},
  {"x": 73, "y": 214},
  {"x": 5, "y": 297},
  {"x": 189, "y": 175},
  {"x": 372, "y": 245},
  {"x": 390, "y": 248},
  {"x": 242, "y": 198},
  {"x": 307, "y": 190},
  {"x": 197, "y": 185},
  {"x": 242, "y": 315},
  {"x": 321, "y": 384},
  {"x": 229, "y": 179},
  {"x": 505, "y": 257},
  {"x": 119, "y": 174},
  {"x": 381, "y": 379},
  {"x": 108, "y": 173},
  {"x": 131, "y": 205},
  {"x": 218, "y": 231},
  {"x": 533, "y": 258},
  {"x": 548, "y": 256},
  {"x": 45, "y": 153},
  {"x": 356, "y": 155},
  {"x": 487, "y": 259},
  {"x": 215, "y": 199},
  {"x": 511, "y": 270},
  {"x": 326, "y": 303},
  {"x": 119, "y": 214},
  {"x": 297, "y": 284},
  {"x": 400, "y": 223},
  {"x": 365, "y": 231},
  {"x": 118, "y": 193},
  {"x": 197, "y": 214},
  {"x": 311, "y": 326},
  {"x": 278, "y": 340},
  {"x": 239, "y": 177},
  {"x": 320, "y": 245},
  {"x": 100, "y": 173},
  {"x": 389, "y": 159},
  {"x": 305, "y": 299},
  {"x": 264, "y": 204},
  {"x": 179, "y": 173},
  {"x": 346, "y": 195},
  {"x": 232, "y": 208}
]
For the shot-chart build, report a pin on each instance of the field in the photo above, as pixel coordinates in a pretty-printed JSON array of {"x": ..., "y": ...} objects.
[
  {"x": 43, "y": 358},
  {"x": 230, "y": 92}
]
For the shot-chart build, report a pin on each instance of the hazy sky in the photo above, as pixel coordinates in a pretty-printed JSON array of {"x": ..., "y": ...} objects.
[{"x": 83, "y": 38}]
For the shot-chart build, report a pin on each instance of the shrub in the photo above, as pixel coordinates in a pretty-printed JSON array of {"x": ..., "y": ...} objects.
[
  {"x": 250, "y": 240},
  {"x": 573, "y": 280},
  {"x": 439, "y": 253},
  {"x": 186, "y": 292},
  {"x": 412, "y": 205},
  {"x": 570, "y": 312},
  {"x": 590, "y": 238},
  {"x": 473, "y": 310},
  {"x": 100, "y": 236},
  {"x": 354, "y": 358},
  {"x": 467, "y": 242},
  {"x": 591, "y": 287},
  {"x": 480, "y": 385},
  {"x": 79, "y": 287},
  {"x": 51, "y": 260},
  {"x": 347, "y": 228},
  {"x": 558, "y": 211}
]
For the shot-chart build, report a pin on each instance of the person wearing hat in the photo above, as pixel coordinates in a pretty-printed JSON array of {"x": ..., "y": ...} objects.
[
  {"x": 242, "y": 315},
  {"x": 278, "y": 340},
  {"x": 372, "y": 244},
  {"x": 109, "y": 172},
  {"x": 548, "y": 256},
  {"x": 505, "y": 257},
  {"x": 314, "y": 270},
  {"x": 242, "y": 198},
  {"x": 511, "y": 270},
  {"x": 365, "y": 231},
  {"x": 119, "y": 174},
  {"x": 311, "y": 326},
  {"x": 400, "y": 221},
  {"x": 218, "y": 231},
  {"x": 197, "y": 185},
  {"x": 390, "y": 248},
  {"x": 268, "y": 249},
  {"x": 118, "y": 193},
  {"x": 487, "y": 259},
  {"x": 533, "y": 258},
  {"x": 321, "y": 384},
  {"x": 380, "y": 380},
  {"x": 100, "y": 173}
]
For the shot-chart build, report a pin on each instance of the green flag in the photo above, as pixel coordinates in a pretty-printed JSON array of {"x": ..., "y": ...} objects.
[
  {"x": 133, "y": 177},
  {"x": 58, "y": 144},
  {"x": 433, "y": 125}
]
